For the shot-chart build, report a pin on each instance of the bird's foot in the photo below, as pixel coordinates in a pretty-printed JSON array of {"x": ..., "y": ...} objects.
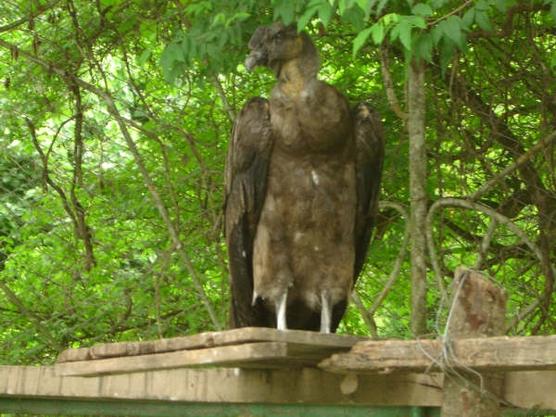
[
  {"x": 281, "y": 312},
  {"x": 325, "y": 313}
]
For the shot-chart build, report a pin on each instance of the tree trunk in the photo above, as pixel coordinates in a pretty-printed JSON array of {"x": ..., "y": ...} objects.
[{"x": 418, "y": 196}]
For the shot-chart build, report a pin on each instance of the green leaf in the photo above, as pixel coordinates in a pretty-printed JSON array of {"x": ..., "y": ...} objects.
[
  {"x": 128, "y": 24},
  {"x": 483, "y": 21},
  {"x": 174, "y": 52},
  {"x": 423, "y": 47},
  {"x": 377, "y": 33},
  {"x": 395, "y": 33},
  {"x": 502, "y": 5},
  {"x": 238, "y": 17},
  {"x": 218, "y": 20},
  {"x": 284, "y": 9},
  {"x": 390, "y": 18},
  {"x": 360, "y": 40},
  {"x": 403, "y": 31},
  {"x": 553, "y": 10},
  {"x": 553, "y": 61},
  {"x": 144, "y": 57},
  {"x": 437, "y": 34},
  {"x": 416, "y": 21},
  {"x": 482, "y": 6},
  {"x": 196, "y": 9},
  {"x": 356, "y": 18},
  {"x": 380, "y": 6},
  {"x": 365, "y": 5},
  {"x": 107, "y": 3},
  {"x": 422, "y": 9},
  {"x": 344, "y": 5},
  {"x": 437, "y": 4},
  {"x": 468, "y": 18},
  {"x": 325, "y": 12},
  {"x": 305, "y": 18},
  {"x": 446, "y": 54},
  {"x": 405, "y": 36},
  {"x": 452, "y": 29}
]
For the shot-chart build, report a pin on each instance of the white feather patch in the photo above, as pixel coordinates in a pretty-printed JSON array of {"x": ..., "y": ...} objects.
[{"x": 315, "y": 177}]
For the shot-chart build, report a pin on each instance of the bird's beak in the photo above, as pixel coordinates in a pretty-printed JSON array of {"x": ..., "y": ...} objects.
[{"x": 255, "y": 58}]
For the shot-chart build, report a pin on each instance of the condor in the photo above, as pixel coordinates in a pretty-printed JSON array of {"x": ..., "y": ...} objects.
[{"x": 302, "y": 182}]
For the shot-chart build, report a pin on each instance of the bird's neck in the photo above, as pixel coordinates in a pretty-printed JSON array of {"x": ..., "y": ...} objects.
[{"x": 294, "y": 78}]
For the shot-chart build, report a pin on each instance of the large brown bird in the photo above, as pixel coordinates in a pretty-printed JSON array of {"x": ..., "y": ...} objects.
[{"x": 302, "y": 182}]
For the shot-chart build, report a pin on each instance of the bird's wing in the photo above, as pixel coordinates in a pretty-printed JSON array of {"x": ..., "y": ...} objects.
[
  {"x": 245, "y": 186},
  {"x": 369, "y": 139}
]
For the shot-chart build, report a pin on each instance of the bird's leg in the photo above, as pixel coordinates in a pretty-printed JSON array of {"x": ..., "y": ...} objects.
[
  {"x": 281, "y": 311},
  {"x": 325, "y": 313}
]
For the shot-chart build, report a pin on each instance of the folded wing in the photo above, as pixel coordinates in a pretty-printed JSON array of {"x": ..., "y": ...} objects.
[
  {"x": 245, "y": 186},
  {"x": 369, "y": 140}
]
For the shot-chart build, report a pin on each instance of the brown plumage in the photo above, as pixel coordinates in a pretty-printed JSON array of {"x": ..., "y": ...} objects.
[{"x": 302, "y": 181}]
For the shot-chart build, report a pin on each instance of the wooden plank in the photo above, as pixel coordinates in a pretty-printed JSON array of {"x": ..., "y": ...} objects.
[
  {"x": 528, "y": 390},
  {"x": 225, "y": 385},
  {"x": 493, "y": 353},
  {"x": 248, "y": 355},
  {"x": 206, "y": 340},
  {"x": 245, "y": 355}
]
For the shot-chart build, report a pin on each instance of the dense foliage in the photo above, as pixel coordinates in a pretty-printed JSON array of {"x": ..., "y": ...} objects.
[{"x": 114, "y": 120}]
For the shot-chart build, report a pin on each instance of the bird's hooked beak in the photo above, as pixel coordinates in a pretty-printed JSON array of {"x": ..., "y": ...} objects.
[
  {"x": 259, "y": 50},
  {"x": 255, "y": 58}
]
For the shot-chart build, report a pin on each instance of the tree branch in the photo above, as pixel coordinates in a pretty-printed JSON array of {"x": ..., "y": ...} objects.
[
  {"x": 392, "y": 278},
  {"x": 389, "y": 84},
  {"x": 26, "y": 19},
  {"x": 229, "y": 111},
  {"x": 84, "y": 231},
  {"x": 367, "y": 317},
  {"x": 32, "y": 317},
  {"x": 149, "y": 183},
  {"x": 543, "y": 199},
  {"x": 46, "y": 174},
  {"x": 518, "y": 163},
  {"x": 470, "y": 205},
  {"x": 453, "y": 12}
]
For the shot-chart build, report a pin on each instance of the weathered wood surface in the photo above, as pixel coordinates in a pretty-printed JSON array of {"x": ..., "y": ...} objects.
[
  {"x": 263, "y": 355},
  {"x": 270, "y": 348},
  {"x": 207, "y": 340},
  {"x": 493, "y": 353},
  {"x": 277, "y": 386},
  {"x": 221, "y": 385},
  {"x": 478, "y": 309}
]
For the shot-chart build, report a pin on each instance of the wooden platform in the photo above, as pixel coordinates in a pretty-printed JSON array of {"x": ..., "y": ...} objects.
[
  {"x": 187, "y": 389},
  {"x": 267, "y": 372},
  {"x": 261, "y": 372},
  {"x": 262, "y": 348}
]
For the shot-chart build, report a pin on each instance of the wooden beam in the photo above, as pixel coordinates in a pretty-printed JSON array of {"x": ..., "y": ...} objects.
[
  {"x": 482, "y": 354},
  {"x": 262, "y": 355},
  {"x": 226, "y": 385},
  {"x": 247, "y": 355},
  {"x": 527, "y": 390},
  {"x": 207, "y": 340}
]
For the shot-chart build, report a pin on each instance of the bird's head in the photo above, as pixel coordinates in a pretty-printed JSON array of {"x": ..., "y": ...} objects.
[{"x": 272, "y": 46}]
